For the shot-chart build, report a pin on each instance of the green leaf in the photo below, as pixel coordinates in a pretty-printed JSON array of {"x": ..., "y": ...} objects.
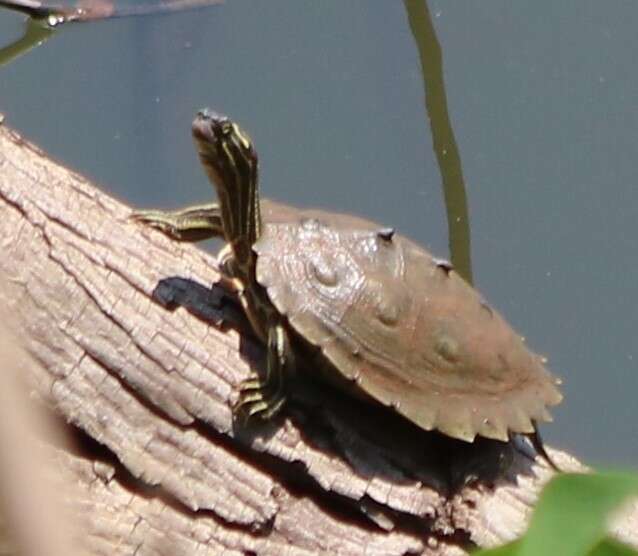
[
  {"x": 571, "y": 517},
  {"x": 509, "y": 549},
  {"x": 609, "y": 547}
]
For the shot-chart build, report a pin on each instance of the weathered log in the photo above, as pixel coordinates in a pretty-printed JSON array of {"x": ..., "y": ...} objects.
[{"x": 140, "y": 355}]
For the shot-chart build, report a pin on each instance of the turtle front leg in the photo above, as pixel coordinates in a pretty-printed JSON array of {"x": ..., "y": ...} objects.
[
  {"x": 264, "y": 397},
  {"x": 190, "y": 224}
]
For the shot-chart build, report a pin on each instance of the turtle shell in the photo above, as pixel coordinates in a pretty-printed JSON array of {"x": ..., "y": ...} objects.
[{"x": 401, "y": 325}]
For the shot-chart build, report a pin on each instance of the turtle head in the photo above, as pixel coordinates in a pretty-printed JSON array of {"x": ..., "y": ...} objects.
[
  {"x": 230, "y": 161},
  {"x": 223, "y": 147}
]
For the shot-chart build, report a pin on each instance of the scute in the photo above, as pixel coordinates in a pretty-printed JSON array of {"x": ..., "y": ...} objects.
[{"x": 406, "y": 330}]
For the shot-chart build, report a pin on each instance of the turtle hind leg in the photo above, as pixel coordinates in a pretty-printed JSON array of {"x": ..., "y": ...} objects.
[
  {"x": 190, "y": 224},
  {"x": 538, "y": 445},
  {"x": 264, "y": 398}
]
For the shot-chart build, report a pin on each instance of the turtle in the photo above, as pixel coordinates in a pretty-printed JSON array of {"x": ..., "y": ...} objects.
[{"x": 385, "y": 319}]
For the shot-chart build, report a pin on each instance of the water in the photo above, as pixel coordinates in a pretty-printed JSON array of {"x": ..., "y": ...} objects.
[{"x": 541, "y": 99}]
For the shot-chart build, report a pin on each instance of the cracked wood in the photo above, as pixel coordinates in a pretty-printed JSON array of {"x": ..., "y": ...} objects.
[{"x": 124, "y": 328}]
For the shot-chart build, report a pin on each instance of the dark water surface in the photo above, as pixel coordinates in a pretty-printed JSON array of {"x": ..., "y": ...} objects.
[{"x": 543, "y": 101}]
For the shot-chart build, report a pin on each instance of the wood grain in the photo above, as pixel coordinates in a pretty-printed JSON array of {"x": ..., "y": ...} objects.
[{"x": 139, "y": 355}]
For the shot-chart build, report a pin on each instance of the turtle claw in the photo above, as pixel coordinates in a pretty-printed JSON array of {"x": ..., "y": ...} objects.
[
  {"x": 258, "y": 399},
  {"x": 264, "y": 397},
  {"x": 250, "y": 385},
  {"x": 273, "y": 407}
]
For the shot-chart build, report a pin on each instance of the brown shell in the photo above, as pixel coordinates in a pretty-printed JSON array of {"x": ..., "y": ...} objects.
[{"x": 401, "y": 325}]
